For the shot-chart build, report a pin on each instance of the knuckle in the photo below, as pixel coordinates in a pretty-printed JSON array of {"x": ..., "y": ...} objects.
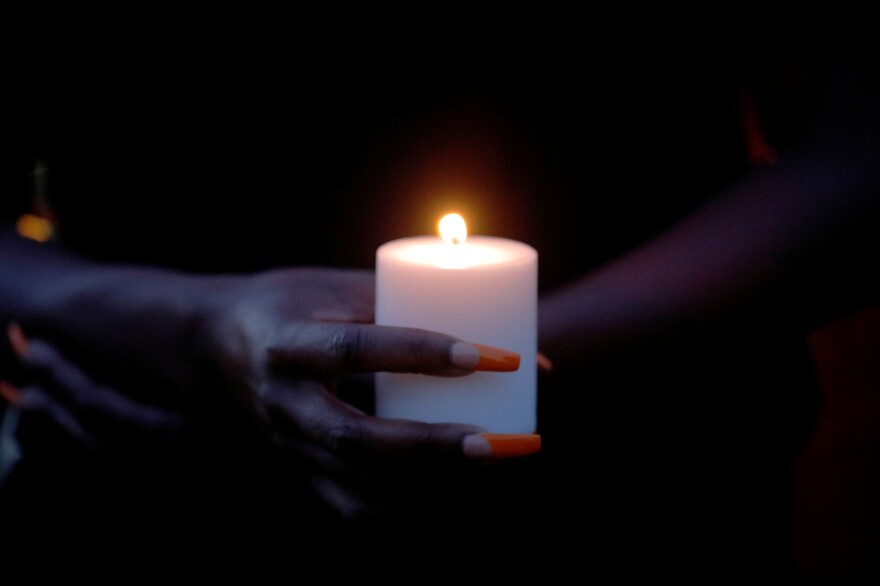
[
  {"x": 347, "y": 346},
  {"x": 430, "y": 442},
  {"x": 349, "y": 440},
  {"x": 434, "y": 442}
]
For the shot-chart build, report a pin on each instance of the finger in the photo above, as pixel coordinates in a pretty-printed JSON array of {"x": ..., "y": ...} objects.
[
  {"x": 349, "y": 505},
  {"x": 545, "y": 365},
  {"x": 330, "y": 348},
  {"x": 349, "y": 434},
  {"x": 10, "y": 393},
  {"x": 312, "y": 456},
  {"x": 94, "y": 403},
  {"x": 308, "y": 410},
  {"x": 328, "y": 474},
  {"x": 34, "y": 400},
  {"x": 17, "y": 340},
  {"x": 352, "y": 504},
  {"x": 375, "y": 481}
]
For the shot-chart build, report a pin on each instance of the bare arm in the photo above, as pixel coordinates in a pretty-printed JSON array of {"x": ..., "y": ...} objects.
[
  {"x": 790, "y": 245},
  {"x": 268, "y": 347}
]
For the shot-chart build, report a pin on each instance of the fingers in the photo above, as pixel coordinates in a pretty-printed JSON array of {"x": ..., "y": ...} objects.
[
  {"x": 361, "y": 465},
  {"x": 335, "y": 348},
  {"x": 351, "y": 491},
  {"x": 404, "y": 498},
  {"x": 64, "y": 392},
  {"x": 309, "y": 410},
  {"x": 10, "y": 393},
  {"x": 92, "y": 401},
  {"x": 17, "y": 339},
  {"x": 36, "y": 401},
  {"x": 348, "y": 504}
]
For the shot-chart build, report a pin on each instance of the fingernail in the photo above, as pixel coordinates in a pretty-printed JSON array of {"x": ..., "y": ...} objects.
[
  {"x": 464, "y": 356},
  {"x": 544, "y": 363},
  {"x": 17, "y": 339},
  {"x": 497, "y": 359},
  {"x": 9, "y": 392},
  {"x": 480, "y": 357},
  {"x": 494, "y": 446}
]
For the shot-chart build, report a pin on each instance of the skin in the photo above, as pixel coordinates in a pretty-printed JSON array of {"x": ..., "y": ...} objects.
[
  {"x": 683, "y": 356},
  {"x": 270, "y": 348},
  {"x": 786, "y": 248}
]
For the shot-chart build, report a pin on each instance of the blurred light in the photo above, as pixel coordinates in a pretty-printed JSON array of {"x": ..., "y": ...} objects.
[{"x": 34, "y": 227}]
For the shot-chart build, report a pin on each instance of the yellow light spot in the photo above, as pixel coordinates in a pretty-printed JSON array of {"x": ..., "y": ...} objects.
[
  {"x": 34, "y": 227},
  {"x": 453, "y": 230}
]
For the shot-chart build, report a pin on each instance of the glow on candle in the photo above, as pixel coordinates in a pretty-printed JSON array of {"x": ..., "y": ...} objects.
[{"x": 455, "y": 251}]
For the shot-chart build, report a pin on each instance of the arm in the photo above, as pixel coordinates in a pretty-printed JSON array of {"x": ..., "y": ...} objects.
[
  {"x": 191, "y": 333},
  {"x": 272, "y": 345},
  {"x": 121, "y": 319},
  {"x": 790, "y": 245}
]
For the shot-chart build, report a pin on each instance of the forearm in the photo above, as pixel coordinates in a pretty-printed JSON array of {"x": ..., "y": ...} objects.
[
  {"x": 788, "y": 247},
  {"x": 147, "y": 321}
]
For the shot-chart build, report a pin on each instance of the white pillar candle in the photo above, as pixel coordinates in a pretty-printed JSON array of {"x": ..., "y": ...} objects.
[{"x": 479, "y": 289}]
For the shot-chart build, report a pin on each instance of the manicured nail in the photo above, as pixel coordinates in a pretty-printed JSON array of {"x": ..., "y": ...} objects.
[
  {"x": 9, "y": 392},
  {"x": 497, "y": 359},
  {"x": 17, "y": 339},
  {"x": 464, "y": 356},
  {"x": 495, "y": 446},
  {"x": 480, "y": 357},
  {"x": 544, "y": 363}
]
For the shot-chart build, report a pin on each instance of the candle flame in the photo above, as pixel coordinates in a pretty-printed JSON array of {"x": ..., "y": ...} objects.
[{"x": 453, "y": 230}]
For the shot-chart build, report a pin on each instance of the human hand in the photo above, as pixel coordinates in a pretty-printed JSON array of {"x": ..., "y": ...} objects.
[
  {"x": 100, "y": 419},
  {"x": 272, "y": 347},
  {"x": 283, "y": 340}
]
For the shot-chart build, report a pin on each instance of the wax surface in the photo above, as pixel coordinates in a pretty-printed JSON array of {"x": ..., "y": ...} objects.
[{"x": 482, "y": 291}]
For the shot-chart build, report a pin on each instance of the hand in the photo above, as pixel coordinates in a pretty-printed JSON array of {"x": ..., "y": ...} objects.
[
  {"x": 97, "y": 417},
  {"x": 273, "y": 347},
  {"x": 283, "y": 339}
]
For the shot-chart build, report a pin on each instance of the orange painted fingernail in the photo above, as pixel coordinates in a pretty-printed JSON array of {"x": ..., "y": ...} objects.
[
  {"x": 479, "y": 357},
  {"x": 544, "y": 363},
  {"x": 9, "y": 392},
  {"x": 495, "y": 446},
  {"x": 496, "y": 359},
  {"x": 17, "y": 339},
  {"x": 464, "y": 356}
]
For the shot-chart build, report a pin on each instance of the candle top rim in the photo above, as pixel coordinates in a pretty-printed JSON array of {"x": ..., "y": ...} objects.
[{"x": 476, "y": 252}]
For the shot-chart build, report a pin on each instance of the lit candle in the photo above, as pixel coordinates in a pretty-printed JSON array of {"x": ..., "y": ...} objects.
[{"x": 480, "y": 289}]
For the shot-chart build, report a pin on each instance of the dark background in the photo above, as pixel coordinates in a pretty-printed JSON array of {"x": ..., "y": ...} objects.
[
  {"x": 236, "y": 163},
  {"x": 253, "y": 164}
]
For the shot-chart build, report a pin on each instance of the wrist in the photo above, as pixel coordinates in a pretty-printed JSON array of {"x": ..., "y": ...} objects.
[
  {"x": 135, "y": 326},
  {"x": 220, "y": 331}
]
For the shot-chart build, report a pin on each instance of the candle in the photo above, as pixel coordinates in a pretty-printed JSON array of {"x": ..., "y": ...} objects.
[{"x": 480, "y": 289}]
